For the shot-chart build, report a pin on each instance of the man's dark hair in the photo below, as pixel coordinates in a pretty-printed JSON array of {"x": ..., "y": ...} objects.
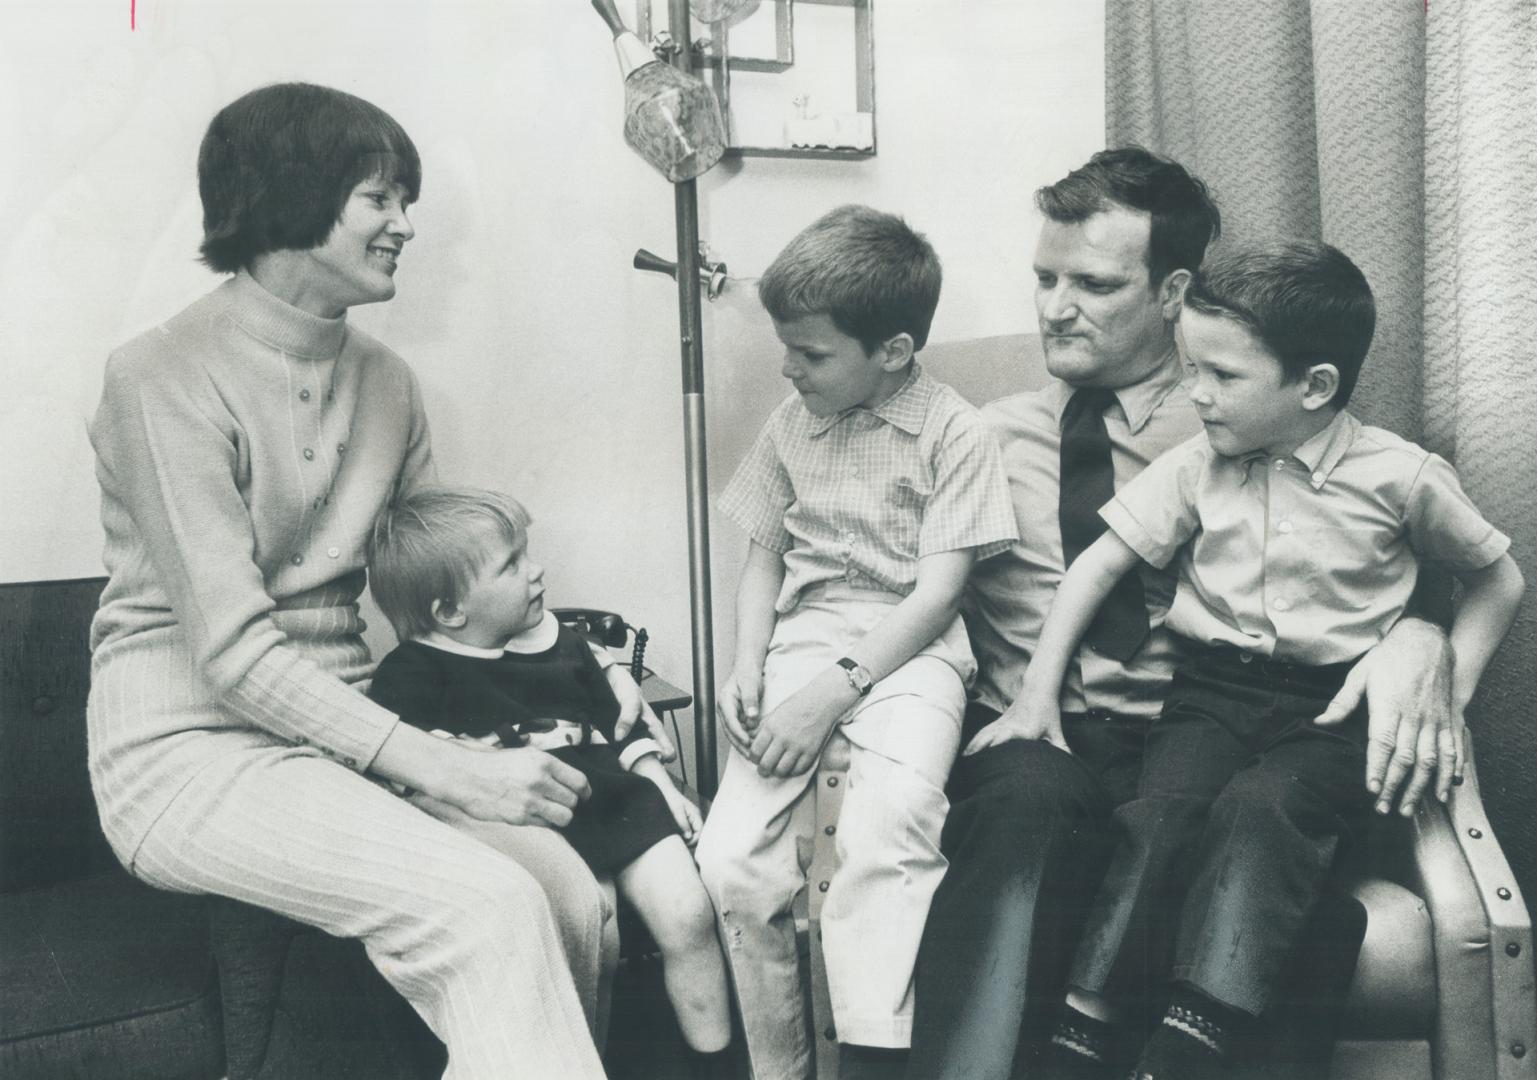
[
  {"x": 1306, "y": 302},
  {"x": 1184, "y": 217},
  {"x": 866, "y": 270},
  {"x": 277, "y": 165}
]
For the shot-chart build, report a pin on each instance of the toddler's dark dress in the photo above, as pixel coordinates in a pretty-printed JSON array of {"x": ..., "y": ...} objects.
[{"x": 519, "y": 694}]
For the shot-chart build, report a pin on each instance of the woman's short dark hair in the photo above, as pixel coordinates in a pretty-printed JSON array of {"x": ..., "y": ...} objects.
[{"x": 277, "y": 165}]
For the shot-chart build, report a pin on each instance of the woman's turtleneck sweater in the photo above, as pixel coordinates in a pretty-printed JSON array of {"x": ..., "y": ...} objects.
[{"x": 244, "y": 449}]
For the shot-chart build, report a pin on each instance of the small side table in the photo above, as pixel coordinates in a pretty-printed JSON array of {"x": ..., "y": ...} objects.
[{"x": 662, "y": 695}]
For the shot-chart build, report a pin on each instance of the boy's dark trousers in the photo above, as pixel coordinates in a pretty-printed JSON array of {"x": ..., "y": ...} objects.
[
  {"x": 1029, "y": 834},
  {"x": 1242, "y": 805}
]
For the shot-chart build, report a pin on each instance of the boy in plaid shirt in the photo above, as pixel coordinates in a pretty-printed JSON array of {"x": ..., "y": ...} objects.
[{"x": 867, "y": 497}]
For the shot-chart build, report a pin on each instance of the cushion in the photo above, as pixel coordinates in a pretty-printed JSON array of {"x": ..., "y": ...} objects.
[
  {"x": 107, "y": 977},
  {"x": 1394, "y": 992}
]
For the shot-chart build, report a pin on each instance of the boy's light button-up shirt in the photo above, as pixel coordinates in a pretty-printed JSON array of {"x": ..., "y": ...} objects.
[
  {"x": 861, "y": 496},
  {"x": 1309, "y": 558}
]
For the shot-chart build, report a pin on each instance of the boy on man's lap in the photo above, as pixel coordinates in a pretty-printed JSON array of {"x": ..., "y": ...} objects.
[{"x": 1298, "y": 533}]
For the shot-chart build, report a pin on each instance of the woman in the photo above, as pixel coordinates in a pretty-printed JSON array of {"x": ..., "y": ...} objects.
[{"x": 244, "y": 449}]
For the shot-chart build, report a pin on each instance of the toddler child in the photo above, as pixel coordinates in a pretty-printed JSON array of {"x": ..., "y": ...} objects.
[
  {"x": 480, "y": 658},
  {"x": 1298, "y": 533},
  {"x": 866, "y": 498}
]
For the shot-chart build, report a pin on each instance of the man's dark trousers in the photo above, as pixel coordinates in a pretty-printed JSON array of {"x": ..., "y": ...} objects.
[{"x": 1028, "y": 836}]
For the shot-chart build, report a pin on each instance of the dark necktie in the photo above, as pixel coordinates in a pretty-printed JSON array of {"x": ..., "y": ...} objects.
[{"x": 1087, "y": 483}]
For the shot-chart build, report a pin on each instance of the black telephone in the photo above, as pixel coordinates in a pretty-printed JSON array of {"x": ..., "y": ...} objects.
[{"x": 606, "y": 629}]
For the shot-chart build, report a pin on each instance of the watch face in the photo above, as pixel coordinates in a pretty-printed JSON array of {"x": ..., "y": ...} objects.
[{"x": 859, "y": 678}]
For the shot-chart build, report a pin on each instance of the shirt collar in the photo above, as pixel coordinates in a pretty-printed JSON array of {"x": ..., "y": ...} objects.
[
  {"x": 1324, "y": 450},
  {"x": 1139, "y": 401},
  {"x": 534, "y": 640},
  {"x": 903, "y": 410}
]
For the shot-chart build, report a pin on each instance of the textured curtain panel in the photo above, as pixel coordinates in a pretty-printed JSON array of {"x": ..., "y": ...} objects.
[{"x": 1404, "y": 133}]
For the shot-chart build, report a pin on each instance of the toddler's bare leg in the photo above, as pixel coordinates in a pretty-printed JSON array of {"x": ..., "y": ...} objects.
[
  {"x": 608, "y": 964},
  {"x": 665, "y": 888}
]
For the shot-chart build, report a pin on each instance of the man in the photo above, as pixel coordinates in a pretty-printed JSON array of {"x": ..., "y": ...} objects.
[{"x": 1029, "y": 820}]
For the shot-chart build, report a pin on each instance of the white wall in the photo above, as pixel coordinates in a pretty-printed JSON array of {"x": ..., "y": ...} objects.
[{"x": 551, "y": 368}]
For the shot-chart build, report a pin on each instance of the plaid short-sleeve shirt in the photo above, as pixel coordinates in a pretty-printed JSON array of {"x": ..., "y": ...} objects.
[{"x": 860, "y": 496}]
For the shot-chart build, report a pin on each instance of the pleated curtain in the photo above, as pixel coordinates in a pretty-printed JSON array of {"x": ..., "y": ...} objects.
[{"x": 1404, "y": 133}]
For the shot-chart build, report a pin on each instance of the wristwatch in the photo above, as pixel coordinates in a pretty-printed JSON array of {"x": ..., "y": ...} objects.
[{"x": 858, "y": 675}]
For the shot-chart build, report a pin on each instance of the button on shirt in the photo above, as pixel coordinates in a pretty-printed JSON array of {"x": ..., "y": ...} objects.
[
  {"x": 860, "y": 496},
  {"x": 1309, "y": 558},
  {"x": 1007, "y": 598}
]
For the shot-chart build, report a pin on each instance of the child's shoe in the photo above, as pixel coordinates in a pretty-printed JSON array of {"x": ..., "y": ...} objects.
[
  {"x": 719, "y": 1065},
  {"x": 1192, "y": 1042},
  {"x": 1079, "y": 1049},
  {"x": 870, "y": 1062}
]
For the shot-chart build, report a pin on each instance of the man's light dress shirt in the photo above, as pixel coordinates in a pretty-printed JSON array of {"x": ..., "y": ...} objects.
[{"x": 1008, "y": 597}]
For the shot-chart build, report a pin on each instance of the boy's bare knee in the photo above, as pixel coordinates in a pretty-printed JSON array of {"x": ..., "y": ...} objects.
[{"x": 690, "y": 924}]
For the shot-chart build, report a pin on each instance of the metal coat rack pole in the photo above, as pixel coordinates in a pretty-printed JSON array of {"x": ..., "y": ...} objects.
[{"x": 686, "y": 208}]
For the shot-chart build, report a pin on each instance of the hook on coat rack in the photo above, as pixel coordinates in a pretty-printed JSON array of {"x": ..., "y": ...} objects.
[{"x": 712, "y": 274}]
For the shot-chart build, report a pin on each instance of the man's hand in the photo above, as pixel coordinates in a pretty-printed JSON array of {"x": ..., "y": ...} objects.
[
  {"x": 1023, "y": 719},
  {"x": 737, "y": 703},
  {"x": 1413, "y": 731},
  {"x": 633, "y": 707},
  {"x": 520, "y": 787},
  {"x": 790, "y": 739}
]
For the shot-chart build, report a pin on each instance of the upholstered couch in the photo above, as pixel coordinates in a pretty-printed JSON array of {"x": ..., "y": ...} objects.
[{"x": 101, "y": 976}]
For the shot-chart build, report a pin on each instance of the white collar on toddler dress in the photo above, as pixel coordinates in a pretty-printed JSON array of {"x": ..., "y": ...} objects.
[{"x": 536, "y": 639}]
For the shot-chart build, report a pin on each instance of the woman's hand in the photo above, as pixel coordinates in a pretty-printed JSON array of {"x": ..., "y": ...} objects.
[
  {"x": 633, "y": 707},
  {"x": 519, "y": 787}
]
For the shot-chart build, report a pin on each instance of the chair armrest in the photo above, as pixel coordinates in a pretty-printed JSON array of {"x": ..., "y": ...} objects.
[
  {"x": 1512, "y": 987},
  {"x": 1486, "y": 1024}
]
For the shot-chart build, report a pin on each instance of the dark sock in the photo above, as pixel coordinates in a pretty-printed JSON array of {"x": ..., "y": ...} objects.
[
  {"x": 1079, "y": 1048},
  {"x": 715, "y": 1065},
  {"x": 870, "y": 1062},
  {"x": 1191, "y": 1043}
]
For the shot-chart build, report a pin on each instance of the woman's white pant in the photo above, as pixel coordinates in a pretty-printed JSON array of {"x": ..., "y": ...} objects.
[{"x": 498, "y": 954}]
